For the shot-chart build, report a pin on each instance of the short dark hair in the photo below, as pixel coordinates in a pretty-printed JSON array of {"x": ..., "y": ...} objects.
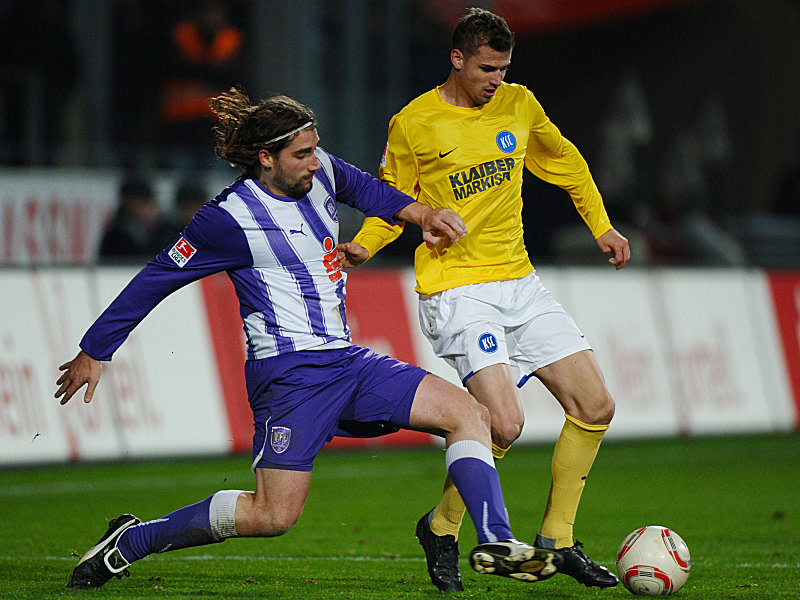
[{"x": 479, "y": 27}]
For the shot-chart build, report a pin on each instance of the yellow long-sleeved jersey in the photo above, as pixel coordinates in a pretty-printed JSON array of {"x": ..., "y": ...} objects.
[{"x": 470, "y": 160}]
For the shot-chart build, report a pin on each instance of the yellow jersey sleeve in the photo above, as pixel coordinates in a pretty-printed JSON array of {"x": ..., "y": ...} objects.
[{"x": 398, "y": 170}]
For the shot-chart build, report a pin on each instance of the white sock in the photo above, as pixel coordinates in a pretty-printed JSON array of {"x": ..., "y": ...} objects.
[{"x": 222, "y": 513}]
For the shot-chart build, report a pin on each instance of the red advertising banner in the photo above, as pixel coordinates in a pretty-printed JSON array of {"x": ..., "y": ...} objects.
[
  {"x": 524, "y": 16},
  {"x": 785, "y": 289},
  {"x": 227, "y": 335},
  {"x": 377, "y": 316}
]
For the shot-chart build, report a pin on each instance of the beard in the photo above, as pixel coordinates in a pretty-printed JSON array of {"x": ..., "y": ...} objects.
[{"x": 296, "y": 189}]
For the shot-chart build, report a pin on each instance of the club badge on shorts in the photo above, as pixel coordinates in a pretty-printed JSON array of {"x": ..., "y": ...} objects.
[
  {"x": 487, "y": 343},
  {"x": 279, "y": 439}
]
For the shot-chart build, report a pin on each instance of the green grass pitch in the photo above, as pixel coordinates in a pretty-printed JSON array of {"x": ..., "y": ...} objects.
[{"x": 735, "y": 500}]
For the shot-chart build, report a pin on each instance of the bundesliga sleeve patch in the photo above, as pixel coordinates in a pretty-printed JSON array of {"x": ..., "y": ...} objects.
[
  {"x": 383, "y": 156},
  {"x": 181, "y": 252}
]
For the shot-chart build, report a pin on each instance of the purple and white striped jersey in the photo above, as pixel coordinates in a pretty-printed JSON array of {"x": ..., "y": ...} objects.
[{"x": 279, "y": 252}]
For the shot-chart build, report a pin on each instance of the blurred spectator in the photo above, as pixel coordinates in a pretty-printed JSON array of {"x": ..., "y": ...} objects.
[
  {"x": 189, "y": 197},
  {"x": 138, "y": 229},
  {"x": 627, "y": 132},
  {"x": 683, "y": 221},
  {"x": 205, "y": 58}
]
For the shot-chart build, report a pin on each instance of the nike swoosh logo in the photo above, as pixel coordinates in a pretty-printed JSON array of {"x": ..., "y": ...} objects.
[{"x": 442, "y": 155}]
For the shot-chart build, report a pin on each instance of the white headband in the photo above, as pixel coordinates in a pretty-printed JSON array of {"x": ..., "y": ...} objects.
[{"x": 285, "y": 135}]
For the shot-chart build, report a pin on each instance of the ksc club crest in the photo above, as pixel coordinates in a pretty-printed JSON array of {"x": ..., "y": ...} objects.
[
  {"x": 487, "y": 343},
  {"x": 279, "y": 439},
  {"x": 506, "y": 141}
]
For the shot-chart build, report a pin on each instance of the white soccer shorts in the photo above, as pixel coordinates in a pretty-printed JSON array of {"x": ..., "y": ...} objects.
[{"x": 516, "y": 322}]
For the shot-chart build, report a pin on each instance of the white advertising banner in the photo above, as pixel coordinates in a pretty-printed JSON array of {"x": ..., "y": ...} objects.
[
  {"x": 684, "y": 352},
  {"x": 163, "y": 383},
  {"x": 615, "y": 310},
  {"x": 42, "y": 318},
  {"x": 54, "y": 217},
  {"x": 719, "y": 351}
]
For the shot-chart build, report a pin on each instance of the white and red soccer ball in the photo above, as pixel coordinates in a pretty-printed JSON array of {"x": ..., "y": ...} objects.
[{"x": 653, "y": 561}]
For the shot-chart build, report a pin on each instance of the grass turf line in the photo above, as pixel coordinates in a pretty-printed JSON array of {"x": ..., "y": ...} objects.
[{"x": 733, "y": 499}]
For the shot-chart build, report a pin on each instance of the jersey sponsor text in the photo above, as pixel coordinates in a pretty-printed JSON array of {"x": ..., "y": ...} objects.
[{"x": 481, "y": 177}]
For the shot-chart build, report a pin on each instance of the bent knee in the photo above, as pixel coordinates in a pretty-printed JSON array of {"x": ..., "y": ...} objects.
[
  {"x": 274, "y": 523},
  {"x": 605, "y": 411},
  {"x": 600, "y": 412},
  {"x": 505, "y": 431},
  {"x": 474, "y": 416}
]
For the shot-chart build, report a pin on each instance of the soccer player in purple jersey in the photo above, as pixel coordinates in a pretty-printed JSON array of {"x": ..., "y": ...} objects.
[{"x": 274, "y": 231}]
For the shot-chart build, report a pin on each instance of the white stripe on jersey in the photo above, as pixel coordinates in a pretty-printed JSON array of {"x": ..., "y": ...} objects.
[{"x": 299, "y": 302}]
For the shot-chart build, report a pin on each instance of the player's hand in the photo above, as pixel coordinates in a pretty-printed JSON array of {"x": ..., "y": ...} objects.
[
  {"x": 351, "y": 254},
  {"x": 441, "y": 224},
  {"x": 81, "y": 370},
  {"x": 612, "y": 242}
]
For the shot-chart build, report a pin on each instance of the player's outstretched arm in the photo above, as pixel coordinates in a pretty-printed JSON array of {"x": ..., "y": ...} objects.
[
  {"x": 612, "y": 242},
  {"x": 351, "y": 254},
  {"x": 437, "y": 224},
  {"x": 83, "y": 369}
]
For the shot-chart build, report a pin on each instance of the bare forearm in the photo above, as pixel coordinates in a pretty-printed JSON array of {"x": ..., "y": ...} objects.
[
  {"x": 437, "y": 224},
  {"x": 414, "y": 213}
]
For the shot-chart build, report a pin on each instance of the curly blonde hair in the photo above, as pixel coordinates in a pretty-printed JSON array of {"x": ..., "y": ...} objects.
[{"x": 244, "y": 129}]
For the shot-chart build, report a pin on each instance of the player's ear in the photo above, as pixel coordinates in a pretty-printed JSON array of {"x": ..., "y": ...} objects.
[
  {"x": 457, "y": 58},
  {"x": 265, "y": 158}
]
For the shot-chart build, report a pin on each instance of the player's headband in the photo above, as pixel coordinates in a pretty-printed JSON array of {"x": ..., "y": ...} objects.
[{"x": 281, "y": 137}]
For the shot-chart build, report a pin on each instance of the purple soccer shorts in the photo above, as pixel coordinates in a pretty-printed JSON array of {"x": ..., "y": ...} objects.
[{"x": 298, "y": 400}]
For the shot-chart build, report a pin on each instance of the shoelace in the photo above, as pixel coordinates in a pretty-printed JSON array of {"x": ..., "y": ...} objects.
[
  {"x": 588, "y": 562},
  {"x": 577, "y": 547}
]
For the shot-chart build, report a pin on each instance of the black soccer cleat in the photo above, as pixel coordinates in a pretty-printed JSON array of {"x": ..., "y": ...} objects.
[
  {"x": 582, "y": 568},
  {"x": 441, "y": 554},
  {"x": 104, "y": 560},
  {"x": 515, "y": 559}
]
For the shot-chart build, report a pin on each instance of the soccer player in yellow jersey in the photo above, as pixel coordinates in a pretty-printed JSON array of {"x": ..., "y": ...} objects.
[{"x": 463, "y": 146}]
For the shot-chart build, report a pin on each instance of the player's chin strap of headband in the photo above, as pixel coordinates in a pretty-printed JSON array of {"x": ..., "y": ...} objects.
[{"x": 285, "y": 135}]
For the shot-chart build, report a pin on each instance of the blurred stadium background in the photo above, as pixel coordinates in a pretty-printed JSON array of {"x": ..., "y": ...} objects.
[{"x": 686, "y": 110}]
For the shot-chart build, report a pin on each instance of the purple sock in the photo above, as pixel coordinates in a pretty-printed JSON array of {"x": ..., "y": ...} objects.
[
  {"x": 471, "y": 467},
  {"x": 184, "y": 528}
]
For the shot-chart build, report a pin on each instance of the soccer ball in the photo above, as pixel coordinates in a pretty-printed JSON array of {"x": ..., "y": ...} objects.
[{"x": 653, "y": 561}]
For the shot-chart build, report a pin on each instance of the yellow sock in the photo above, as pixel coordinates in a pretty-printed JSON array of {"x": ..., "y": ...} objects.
[
  {"x": 449, "y": 514},
  {"x": 498, "y": 452},
  {"x": 573, "y": 456}
]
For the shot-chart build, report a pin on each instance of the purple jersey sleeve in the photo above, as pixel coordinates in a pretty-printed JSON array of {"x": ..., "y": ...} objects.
[
  {"x": 368, "y": 194},
  {"x": 211, "y": 243}
]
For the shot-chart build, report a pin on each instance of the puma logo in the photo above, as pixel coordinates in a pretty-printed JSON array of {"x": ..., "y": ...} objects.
[{"x": 298, "y": 231}]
